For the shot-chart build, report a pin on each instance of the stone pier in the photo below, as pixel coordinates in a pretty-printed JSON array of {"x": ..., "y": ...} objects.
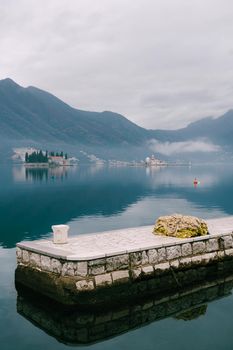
[{"x": 107, "y": 267}]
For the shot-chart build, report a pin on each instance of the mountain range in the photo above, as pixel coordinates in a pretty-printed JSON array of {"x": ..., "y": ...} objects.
[
  {"x": 31, "y": 113},
  {"x": 33, "y": 116}
]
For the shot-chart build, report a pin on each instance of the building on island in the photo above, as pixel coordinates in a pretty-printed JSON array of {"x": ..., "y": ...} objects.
[
  {"x": 57, "y": 160},
  {"x": 152, "y": 161}
]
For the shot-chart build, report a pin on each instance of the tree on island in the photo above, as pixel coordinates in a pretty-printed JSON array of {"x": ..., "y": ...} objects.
[
  {"x": 36, "y": 157},
  {"x": 26, "y": 157}
]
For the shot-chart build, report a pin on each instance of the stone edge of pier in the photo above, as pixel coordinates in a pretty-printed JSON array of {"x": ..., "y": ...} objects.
[{"x": 87, "y": 276}]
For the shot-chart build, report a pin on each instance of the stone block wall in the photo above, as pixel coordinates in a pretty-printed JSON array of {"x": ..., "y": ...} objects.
[{"x": 133, "y": 266}]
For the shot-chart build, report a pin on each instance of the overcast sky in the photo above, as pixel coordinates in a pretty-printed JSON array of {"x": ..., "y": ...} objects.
[{"x": 161, "y": 63}]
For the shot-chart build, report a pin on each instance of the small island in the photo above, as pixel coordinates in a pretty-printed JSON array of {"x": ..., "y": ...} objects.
[{"x": 39, "y": 158}]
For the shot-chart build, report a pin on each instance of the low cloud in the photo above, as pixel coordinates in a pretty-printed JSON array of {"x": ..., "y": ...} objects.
[{"x": 170, "y": 148}]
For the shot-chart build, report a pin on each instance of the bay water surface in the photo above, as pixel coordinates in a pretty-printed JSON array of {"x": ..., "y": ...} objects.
[{"x": 98, "y": 198}]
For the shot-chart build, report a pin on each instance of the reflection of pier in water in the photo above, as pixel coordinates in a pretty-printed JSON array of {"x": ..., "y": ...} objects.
[
  {"x": 46, "y": 173},
  {"x": 73, "y": 326}
]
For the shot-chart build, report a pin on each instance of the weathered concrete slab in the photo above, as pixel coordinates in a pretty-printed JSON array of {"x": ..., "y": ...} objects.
[
  {"x": 220, "y": 225},
  {"x": 110, "y": 243}
]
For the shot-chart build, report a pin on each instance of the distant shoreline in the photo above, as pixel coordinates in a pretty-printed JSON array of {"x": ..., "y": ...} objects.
[
  {"x": 45, "y": 165},
  {"x": 36, "y": 165}
]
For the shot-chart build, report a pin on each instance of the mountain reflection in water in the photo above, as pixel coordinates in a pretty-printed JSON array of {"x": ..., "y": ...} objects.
[{"x": 94, "y": 199}]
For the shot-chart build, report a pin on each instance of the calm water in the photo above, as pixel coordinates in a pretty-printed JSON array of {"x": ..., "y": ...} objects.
[{"x": 92, "y": 199}]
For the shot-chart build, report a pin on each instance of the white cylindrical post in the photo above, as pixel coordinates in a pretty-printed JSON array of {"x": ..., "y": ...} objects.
[{"x": 60, "y": 234}]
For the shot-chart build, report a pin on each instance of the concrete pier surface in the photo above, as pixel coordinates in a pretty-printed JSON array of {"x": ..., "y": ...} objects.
[
  {"x": 105, "y": 267},
  {"x": 116, "y": 242}
]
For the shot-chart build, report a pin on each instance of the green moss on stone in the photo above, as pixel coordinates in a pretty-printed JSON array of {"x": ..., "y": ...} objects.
[{"x": 160, "y": 230}]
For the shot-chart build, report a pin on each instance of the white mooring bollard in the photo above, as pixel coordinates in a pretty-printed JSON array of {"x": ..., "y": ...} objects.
[{"x": 60, "y": 234}]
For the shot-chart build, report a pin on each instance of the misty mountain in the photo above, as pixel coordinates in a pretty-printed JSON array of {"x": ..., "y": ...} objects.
[
  {"x": 33, "y": 116},
  {"x": 216, "y": 130}
]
